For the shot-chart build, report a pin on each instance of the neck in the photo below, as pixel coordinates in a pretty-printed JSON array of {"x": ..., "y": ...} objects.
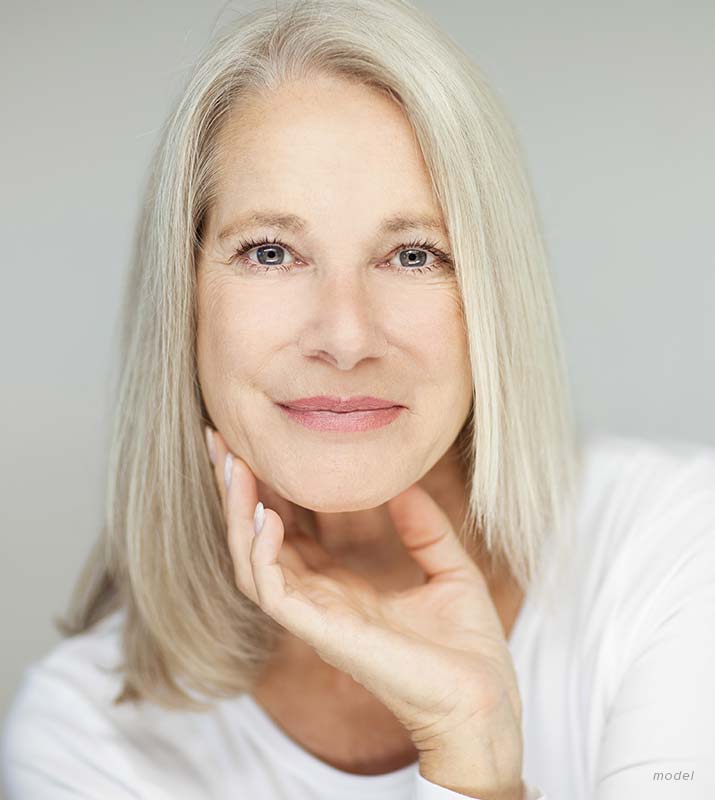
[{"x": 367, "y": 542}]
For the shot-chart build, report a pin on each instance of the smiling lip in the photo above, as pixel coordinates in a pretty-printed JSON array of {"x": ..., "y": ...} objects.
[
  {"x": 340, "y": 404},
  {"x": 359, "y": 413}
]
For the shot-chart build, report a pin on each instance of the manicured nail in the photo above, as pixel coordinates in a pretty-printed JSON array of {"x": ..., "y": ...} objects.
[
  {"x": 259, "y": 517},
  {"x": 210, "y": 444},
  {"x": 227, "y": 470}
]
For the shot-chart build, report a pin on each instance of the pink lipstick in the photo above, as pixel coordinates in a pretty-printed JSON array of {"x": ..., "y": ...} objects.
[{"x": 330, "y": 413}]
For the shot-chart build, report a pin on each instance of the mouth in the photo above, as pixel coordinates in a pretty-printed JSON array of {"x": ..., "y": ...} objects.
[
  {"x": 340, "y": 405},
  {"x": 342, "y": 419}
]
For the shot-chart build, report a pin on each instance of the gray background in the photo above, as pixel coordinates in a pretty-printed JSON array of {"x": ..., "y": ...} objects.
[{"x": 614, "y": 104}]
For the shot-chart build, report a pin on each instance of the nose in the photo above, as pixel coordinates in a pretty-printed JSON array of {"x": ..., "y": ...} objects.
[{"x": 344, "y": 326}]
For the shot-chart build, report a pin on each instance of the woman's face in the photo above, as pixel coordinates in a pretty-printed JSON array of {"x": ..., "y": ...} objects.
[{"x": 338, "y": 306}]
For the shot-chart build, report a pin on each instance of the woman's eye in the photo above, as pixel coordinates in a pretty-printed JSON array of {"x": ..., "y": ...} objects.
[
  {"x": 413, "y": 257},
  {"x": 269, "y": 255}
]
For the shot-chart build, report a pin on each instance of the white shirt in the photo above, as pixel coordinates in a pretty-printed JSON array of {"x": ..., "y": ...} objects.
[{"x": 617, "y": 685}]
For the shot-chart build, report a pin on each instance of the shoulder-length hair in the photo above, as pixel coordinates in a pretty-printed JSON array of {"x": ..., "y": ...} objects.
[{"x": 162, "y": 555}]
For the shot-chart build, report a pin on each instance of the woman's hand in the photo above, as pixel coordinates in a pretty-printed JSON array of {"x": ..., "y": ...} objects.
[{"x": 434, "y": 654}]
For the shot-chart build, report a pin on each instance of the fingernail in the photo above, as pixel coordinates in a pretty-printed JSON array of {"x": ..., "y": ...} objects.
[
  {"x": 259, "y": 517},
  {"x": 227, "y": 470},
  {"x": 210, "y": 444}
]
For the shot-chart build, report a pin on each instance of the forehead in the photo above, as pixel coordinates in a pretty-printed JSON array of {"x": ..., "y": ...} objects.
[{"x": 328, "y": 146}]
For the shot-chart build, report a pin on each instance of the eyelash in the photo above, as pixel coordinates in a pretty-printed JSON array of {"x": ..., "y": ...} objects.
[{"x": 444, "y": 260}]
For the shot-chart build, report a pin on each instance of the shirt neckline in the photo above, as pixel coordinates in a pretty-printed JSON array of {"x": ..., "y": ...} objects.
[{"x": 293, "y": 756}]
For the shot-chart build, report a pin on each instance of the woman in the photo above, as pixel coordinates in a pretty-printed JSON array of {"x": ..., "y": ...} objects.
[{"x": 393, "y": 570}]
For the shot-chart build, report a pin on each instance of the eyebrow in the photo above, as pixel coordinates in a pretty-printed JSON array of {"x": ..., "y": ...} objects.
[{"x": 395, "y": 223}]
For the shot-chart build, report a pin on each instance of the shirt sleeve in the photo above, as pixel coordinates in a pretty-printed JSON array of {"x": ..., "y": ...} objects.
[
  {"x": 658, "y": 740},
  {"x": 426, "y": 790},
  {"x": 56, "y": 747}
]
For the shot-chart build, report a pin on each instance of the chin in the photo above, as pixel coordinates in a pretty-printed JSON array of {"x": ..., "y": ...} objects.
[{"x": 335, "y": 499}]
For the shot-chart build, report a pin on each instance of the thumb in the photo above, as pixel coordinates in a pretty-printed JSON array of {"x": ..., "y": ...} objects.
[{"x": 427, "y": 533}]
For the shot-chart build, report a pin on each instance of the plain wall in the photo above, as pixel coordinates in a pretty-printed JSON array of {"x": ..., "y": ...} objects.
[{"x": 614, "y": 105}]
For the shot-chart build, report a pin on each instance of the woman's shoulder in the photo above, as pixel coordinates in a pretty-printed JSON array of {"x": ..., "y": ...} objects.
[
  {"x": 639, "y": 626},
  {"x": 646, "y": 526},
  {"x": 641, "y": 504},
  {"x": 635, "y": 488},
  {"x": 58, "y": 723},
  {"x": 87, "y": 662}
]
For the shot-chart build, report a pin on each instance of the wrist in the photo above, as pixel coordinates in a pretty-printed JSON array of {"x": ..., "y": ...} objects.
[
  {"x": 518, "y": 792},
  {"x": 477, "y": 777},
  {"x": 484, "y": 764}
]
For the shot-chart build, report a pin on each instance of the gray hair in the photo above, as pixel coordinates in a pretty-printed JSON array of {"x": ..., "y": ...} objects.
[{"x": 162, "y": 554}]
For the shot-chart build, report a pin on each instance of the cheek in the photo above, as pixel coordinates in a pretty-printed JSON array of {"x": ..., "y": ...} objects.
[
  {"x": 443, "y": 351},
  {"x": 237, "y": 334},
  {"x": 438, "y": 332},
  {"x": 223, "y": 325}
]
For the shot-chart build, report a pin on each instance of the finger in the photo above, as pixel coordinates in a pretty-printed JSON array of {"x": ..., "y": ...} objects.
[
  {"x": 280, "y": 589},
  {"x": 238, "y": 512},
  {"x": 282, "y": 506},
  {"x": 427, "y": 533},
  {"x": 241, "y": 503},
  {"x": 313, "y": 554}
]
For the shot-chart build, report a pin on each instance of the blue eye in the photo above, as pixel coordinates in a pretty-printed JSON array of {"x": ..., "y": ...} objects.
[{"x": 269, "y": 252}]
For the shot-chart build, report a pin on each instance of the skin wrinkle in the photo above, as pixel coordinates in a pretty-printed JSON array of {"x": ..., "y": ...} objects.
[{"x": 344, "y": 158}]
